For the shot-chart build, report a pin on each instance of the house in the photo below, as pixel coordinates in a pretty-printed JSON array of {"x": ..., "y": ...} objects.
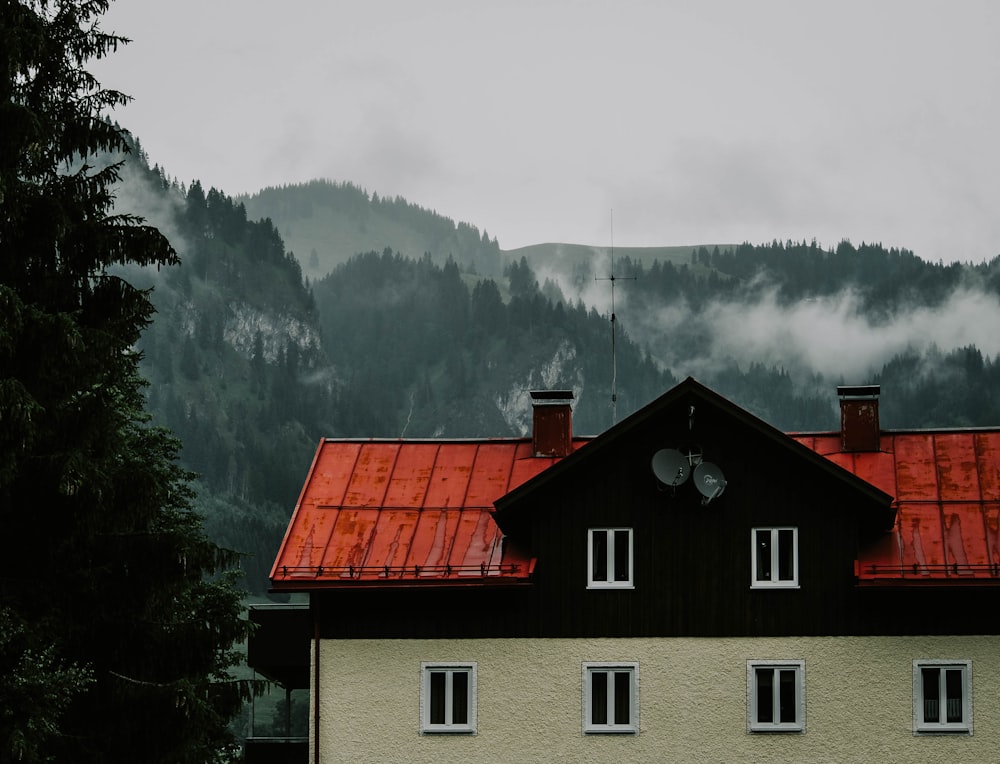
[{"x": 691, "y": 585}]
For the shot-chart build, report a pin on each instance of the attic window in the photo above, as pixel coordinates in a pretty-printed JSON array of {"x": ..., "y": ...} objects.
[
  {"x": 609, "y": 558},
  {"x": 774, "y": 557}
]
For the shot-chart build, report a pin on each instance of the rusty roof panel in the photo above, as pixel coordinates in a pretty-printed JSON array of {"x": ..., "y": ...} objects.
[
  {"x": 332, "y": 473},
  {"x": 476, "y": 537},
  {"x": 938, "y": 541},
  {"x": 352, "y": 538},
  {"x": 370, "y": 478},
  {"x": 991, "y": 518},
  {"x": 964, "y": 536},
  {"x": 916, "y": 473},
  {"x": 393, "y": 535},
  {"x": 957, "y": 470},
  {"x": 879, "y": 469},
  {"x": 947, "y": 490},
  {"x": 412, "y": 469},
  {"x": 921, "y": 537},
  {"x": 876, "y": 467},
  {"x": 432, "y": 541},
  {"x": 491, "y": 475},
  {"x": 449, "y": 480},
  {"x": 987, "y": 445},
  {"x": 307, "y": 539},
  {"x": 405, "y": 512}
]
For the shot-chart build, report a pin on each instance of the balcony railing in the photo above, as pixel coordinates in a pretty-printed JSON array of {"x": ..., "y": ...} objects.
[{"x": 276, "y": 750}]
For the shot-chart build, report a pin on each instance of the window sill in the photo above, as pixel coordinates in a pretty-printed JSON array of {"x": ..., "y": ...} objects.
[
  {"x": 611, "y": 731},
  {"x": 946, "y": 731},
  {"x": 797, "y": 729},
  {"x": 448, "y": 731},
  {"x": 610, "y": 586},
  {"x": 775, "y": 586}
]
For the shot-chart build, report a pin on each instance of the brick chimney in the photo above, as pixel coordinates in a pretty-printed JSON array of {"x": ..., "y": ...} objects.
[
  {"x": 859, "y": 425},
  {"x": 551, "y": 422}
]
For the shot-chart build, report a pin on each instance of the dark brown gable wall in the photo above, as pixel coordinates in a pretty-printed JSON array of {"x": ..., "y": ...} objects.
[{"x": 692, "y": 561}]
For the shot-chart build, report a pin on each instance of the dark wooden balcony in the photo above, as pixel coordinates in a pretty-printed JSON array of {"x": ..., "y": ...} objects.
[{"x": 278, "y": 648}]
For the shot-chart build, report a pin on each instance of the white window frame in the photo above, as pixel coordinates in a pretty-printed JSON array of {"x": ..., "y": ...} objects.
[
  {"x": 920, "y": 725},
  {"x": 450, "y": 669},
  {"x": 610, "y": 728},
  {"x": 799, "y": 724},
  {"x": 774, "y": 582},
  {"x": 609, "y": 581}
]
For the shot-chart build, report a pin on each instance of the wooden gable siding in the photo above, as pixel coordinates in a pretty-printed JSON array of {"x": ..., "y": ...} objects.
[{"x": 692, "y": 562}]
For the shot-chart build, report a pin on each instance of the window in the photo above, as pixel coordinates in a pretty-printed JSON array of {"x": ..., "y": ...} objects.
[
  {"x": 942, "y": 696},
  {"x": 774, "y": 556},
  {"x": 776, "y": 696},
  {"x": 610, "y": 698},
  {"x": 609, "y": 558},
  {"x": 447, "y": 697}
]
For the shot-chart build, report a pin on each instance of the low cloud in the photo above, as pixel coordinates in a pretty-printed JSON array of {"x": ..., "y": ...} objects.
[{"x": 830, "y": 336}]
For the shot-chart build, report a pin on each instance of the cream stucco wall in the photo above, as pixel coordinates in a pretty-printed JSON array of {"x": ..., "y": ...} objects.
[{"x": 692, "y": 701}]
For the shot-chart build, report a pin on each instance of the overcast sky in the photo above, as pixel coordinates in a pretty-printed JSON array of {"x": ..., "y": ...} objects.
[{"x": 695, "y": 122}]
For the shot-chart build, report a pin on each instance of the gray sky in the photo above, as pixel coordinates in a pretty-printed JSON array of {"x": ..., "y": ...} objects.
[{"x": 695, "y": 122}]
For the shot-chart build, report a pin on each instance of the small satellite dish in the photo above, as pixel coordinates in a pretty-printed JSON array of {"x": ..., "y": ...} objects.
[
  {"x": 670, "y": 466},
  {"x": 709, "y": 481}
]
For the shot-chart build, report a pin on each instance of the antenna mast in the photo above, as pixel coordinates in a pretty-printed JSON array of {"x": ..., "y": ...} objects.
[{"x": 614, "y": 357}]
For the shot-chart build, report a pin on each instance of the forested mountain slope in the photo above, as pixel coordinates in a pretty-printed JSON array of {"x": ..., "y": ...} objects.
[
  {"x": 251, "y": 364},
  {"x": 325, "y": 223}
]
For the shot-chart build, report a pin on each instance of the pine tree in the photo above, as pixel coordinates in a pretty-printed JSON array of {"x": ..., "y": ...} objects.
[{"x": 117, "y": 614}]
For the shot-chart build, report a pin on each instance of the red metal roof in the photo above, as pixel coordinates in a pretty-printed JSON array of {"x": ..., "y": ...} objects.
[
  {"x": 411, "y": 512},
  {"x": 406, "y": 512},
  {"x": 947, "y": 489}
]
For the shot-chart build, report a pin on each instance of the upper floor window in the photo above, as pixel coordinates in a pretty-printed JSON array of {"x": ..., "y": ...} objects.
[
  {"x": 942, "y": 696},
  {"x": 448, "y": 697},
  {"x": 610, "y": 698},
  {"x": 774, "y": 556},
  {"x": 776, "y": 696},
  {"x": 609, "y": 557}
]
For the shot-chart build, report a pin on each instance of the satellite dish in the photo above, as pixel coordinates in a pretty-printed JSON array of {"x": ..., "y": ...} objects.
[
  {"x": 670, "y": 466},
  {"x": 709, "y": 481}
]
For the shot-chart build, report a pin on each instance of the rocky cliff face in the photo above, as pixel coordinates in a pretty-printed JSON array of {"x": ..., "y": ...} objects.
[
  {"x": 245, "y": 323},
  {"x": 558, "y": 372}
]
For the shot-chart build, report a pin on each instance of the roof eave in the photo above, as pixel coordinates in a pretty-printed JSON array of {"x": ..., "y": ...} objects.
[{"x": 437, "y": 583}]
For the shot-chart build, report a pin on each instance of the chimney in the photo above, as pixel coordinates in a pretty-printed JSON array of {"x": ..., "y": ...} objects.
[
  {"x": 551, "y": 422},
  {"x": 859, "y": 425}
]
